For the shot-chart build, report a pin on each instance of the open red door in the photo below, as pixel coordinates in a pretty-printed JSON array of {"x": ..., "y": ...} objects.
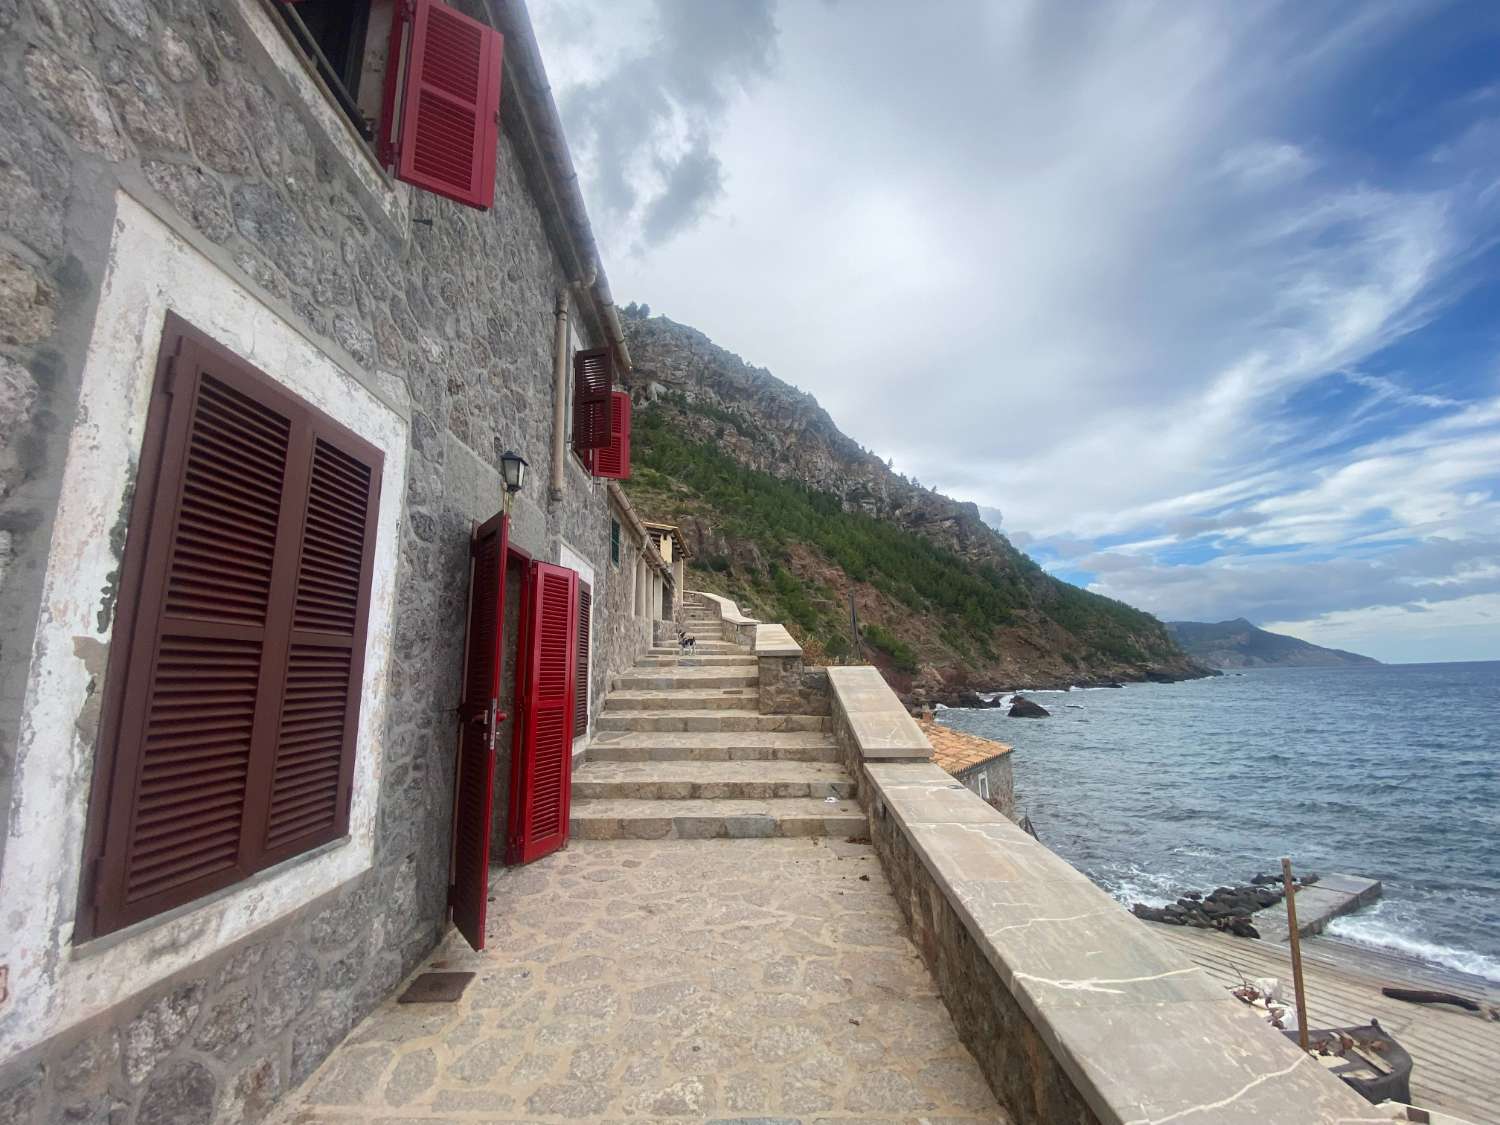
[
  {"x": 479, "y": 718},
  {"x": 543, "y": 763}
]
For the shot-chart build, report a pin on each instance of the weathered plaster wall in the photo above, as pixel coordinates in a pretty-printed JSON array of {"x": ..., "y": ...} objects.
[
  {"x": 151, "y": 270},
  {"x": 440, "y": 317}
]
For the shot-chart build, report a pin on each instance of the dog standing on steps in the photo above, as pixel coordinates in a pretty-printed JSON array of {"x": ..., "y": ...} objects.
[{"x": 687, "y": 644}]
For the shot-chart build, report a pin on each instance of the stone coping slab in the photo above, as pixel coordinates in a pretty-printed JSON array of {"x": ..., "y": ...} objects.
[
  {"x": 877, "y": 722},
  {"x": 1143, "y": 1034},
  {"x": 774, "y": 640}
]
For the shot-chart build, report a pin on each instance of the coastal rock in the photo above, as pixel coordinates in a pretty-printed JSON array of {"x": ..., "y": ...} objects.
[
  {"x": 1023, "y": 708},
  {"x": 1229, "y": 909}
]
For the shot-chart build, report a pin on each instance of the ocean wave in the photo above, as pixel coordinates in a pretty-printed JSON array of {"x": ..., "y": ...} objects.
[
  {"x": 1136, "y": 884},
  {"x": 1377, "y": 933}
]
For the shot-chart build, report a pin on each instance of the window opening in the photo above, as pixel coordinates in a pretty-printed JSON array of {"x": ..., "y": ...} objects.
[{"x": 333, "y": 34}]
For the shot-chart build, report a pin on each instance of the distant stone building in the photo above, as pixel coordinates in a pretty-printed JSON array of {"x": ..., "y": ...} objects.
[
  {"x": 983, "y": 766},
  {"x": 280, "y": 284},
  {"x": 668, "y": 540}
]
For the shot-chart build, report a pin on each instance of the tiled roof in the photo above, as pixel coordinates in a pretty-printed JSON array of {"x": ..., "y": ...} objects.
[{"x": 955, "y": 751}]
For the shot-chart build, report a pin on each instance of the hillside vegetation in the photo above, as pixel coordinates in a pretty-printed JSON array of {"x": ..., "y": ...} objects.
[{"x": 944, "y": 602}]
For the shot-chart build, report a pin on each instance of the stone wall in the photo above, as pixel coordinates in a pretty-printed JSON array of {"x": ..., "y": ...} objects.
[
  {"x": 625, "y": 637},
  {"x": 788, "y": 687},
  {"x": 1075, "y": 1012},
  {"x": 224, "y": 1039},
  {"x": 192, "y": 110}
]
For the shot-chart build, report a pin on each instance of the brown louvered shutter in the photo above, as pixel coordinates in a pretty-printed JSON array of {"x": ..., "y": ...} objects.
[
  {"x": 314, "y": 760},
  {"x": 581, "y": 662},
  {"x": 232, "y": 600},
  {"x": 593, "y": 379}
]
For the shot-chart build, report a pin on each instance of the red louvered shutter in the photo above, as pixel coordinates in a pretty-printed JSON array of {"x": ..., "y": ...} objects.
[
  {"x": 478, "y": 719},
  {"x": 593, "y": 380},
  {"x": 613, "y": 460},
  {"x": 231, "y": 600},
  {"x": 546, "y": 748},
  {"x": 446, "y": 113},
  {"x": 581, "y": 662}
]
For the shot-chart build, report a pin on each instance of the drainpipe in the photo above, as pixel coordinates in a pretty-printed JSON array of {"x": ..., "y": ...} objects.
[{"x": 559, "y": 396}]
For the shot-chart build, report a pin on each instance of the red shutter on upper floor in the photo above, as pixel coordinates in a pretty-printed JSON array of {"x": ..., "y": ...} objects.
[
  {"x": 478, "y": 719},
  {"x": 613, "y": 460},
  {"x": 229, "y": 710},
  {"x": 593, "y": 380},
  {"x": 445, "y": 115},
  {"x": 546, "y": 746},
  {"x": 581, "y": 662}
]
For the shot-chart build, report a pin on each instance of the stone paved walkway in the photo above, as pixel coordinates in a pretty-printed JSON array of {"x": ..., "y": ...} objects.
[{"x": 645, "y": 980}]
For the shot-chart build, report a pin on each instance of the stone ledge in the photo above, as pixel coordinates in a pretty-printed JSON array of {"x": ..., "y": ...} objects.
[
  {"x": 1137, "y": 1032},
  {"x": 728, "y": 610},
  {"x": 878, "y": 727},
  {"x": 774, "y": 640}
]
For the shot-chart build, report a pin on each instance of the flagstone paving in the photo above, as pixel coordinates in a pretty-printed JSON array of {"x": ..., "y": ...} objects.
[{"x": 662, "y": 980}]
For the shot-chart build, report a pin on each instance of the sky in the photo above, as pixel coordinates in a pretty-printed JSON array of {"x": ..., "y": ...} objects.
[{"x": 1203, "y": 299}]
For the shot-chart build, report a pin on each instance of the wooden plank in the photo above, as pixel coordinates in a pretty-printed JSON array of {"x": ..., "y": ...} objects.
[{"x": 1456, "y": 1054}]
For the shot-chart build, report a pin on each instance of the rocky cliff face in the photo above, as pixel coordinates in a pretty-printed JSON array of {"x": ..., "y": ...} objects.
[
  {"x": 1239, "y": 644},
  {"x": 701, "y": 408}
]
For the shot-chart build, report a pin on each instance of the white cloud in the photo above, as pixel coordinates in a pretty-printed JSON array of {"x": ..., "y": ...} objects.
[{"x": 1091, "y": 266}]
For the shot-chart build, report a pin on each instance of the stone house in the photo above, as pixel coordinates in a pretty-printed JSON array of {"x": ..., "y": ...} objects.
[
  {"x": 981, "y": 765},
  {"x": 272, "y": 313},
  {"x": 669, "y": 543}
]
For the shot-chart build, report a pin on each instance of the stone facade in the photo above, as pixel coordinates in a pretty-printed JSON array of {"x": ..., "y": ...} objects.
[{"x": 196, "y": 117}]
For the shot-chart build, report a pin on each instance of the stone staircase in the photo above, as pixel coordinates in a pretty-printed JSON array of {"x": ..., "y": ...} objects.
[{"x": 682, "y": 751}]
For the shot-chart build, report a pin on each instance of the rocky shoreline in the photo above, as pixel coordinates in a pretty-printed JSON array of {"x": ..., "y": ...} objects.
[
  {"x": 1228, "y": 909},
  {"x": 965, "y": 697}
]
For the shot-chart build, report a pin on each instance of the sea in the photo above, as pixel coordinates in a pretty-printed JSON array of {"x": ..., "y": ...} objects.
[{"x": 1390, "y": 771}]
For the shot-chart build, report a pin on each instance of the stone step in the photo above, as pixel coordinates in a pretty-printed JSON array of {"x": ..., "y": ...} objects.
[
  {"x": 706, "y": 720},
  {"x": 677, "y": 781},
  {"x": 712, "y": 746},
  {"x": 707, "y": 660},
  {"x": 683, "y": 699},
  {"x": 701, "y": 648},
  {"x": 670, "y": 679},
  {"x": 707, "y": 820}
]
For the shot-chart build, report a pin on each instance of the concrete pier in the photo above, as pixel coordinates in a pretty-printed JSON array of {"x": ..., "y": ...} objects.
[{"x": 1317, "y": 905}]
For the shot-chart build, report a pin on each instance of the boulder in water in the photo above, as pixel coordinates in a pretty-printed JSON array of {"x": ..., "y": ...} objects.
[{"x": 1023, "y": 708}]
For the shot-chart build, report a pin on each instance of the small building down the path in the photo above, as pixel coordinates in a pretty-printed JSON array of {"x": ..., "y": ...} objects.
[{"x": 982, "y": 765}]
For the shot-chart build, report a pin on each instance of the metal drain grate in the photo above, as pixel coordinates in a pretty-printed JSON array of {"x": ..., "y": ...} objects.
[{"x": 436, "y": 988}]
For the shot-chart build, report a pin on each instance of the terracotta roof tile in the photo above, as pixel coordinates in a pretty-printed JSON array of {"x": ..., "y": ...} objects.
[{"x": 955, "y": 751}]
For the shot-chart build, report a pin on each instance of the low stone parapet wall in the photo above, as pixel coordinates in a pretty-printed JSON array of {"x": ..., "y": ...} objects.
[
  {"x": 787, "y": 685},
  {"x": 733, "y": 625},
  {"x": 1075, "y": 1012}
]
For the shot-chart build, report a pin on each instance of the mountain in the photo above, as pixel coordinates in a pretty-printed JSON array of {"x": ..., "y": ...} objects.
[
  {"x": 794, "y": 520},
  {"x": 1239, "y": 644}
]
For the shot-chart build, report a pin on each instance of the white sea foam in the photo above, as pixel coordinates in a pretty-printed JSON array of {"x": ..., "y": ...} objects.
[{"x": 1379, "y": 933}]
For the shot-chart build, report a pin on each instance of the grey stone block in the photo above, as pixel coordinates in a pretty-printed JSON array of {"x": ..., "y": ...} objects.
[{"x": 183, "y": 1093}]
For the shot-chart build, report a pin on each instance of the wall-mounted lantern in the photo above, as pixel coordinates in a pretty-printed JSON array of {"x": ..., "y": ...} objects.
[{"x": 513, "y": 469}]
